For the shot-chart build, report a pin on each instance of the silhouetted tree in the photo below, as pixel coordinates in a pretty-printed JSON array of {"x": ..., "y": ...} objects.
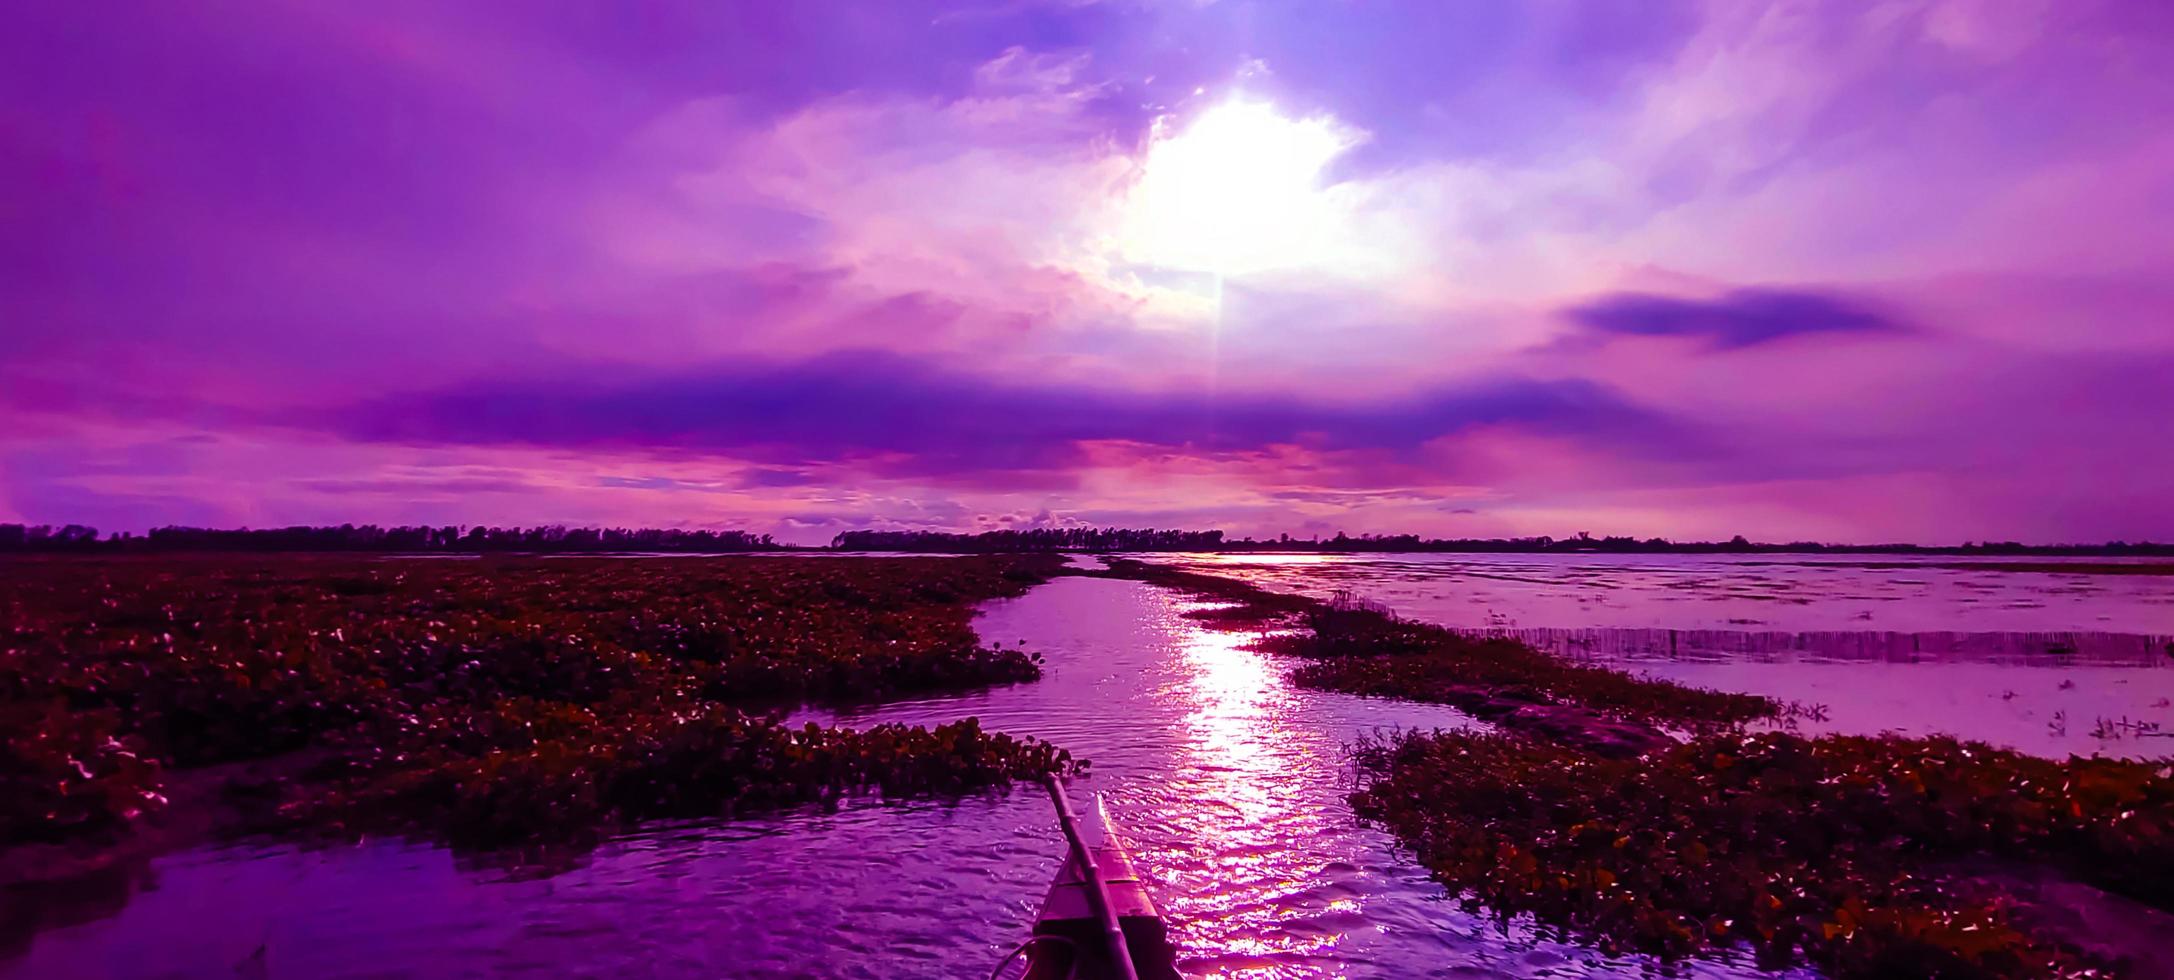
[
  {"x": 372, "y": 538},
  {"x": 558, "y": 538}
]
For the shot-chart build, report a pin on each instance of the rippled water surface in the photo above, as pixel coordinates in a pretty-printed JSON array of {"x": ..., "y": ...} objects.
[
  {"x": 2063, "y": 659},
  {"x": 1228, "y": 782}
]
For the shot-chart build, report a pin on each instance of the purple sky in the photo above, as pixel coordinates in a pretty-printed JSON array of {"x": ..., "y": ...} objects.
[{"x": 1846, "y": 271}]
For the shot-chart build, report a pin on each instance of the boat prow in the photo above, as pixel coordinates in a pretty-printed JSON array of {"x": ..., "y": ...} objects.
[{"x": 1071, "y": 936}]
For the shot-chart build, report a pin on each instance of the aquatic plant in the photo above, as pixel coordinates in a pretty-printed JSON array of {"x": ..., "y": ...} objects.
[
  {"x": 1359, "y": 647},
  {"x": 1258, "y": 601},
  {"x": 1853, "y": 854},
  {"x": 65, "y": 772},
  {"x": 431, "y": 694},
  {"x": 1361, "y": 651},
  {"x": 709, "y": 761}
]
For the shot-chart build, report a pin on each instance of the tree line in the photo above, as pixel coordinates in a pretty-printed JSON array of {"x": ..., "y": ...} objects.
[
  {"x": 1126, "y": 539},
  {"x": 558, "y": 538},
  {"x": 449, "y": 539},
  {"x": 1584, "y": 542},
  {"x": 1033, "y": 539}
]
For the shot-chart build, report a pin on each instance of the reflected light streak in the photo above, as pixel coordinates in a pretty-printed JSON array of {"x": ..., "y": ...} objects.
[
  {"x": 1237, "y": 694},
  {"x": 1272, "y": 559},
  {"x": 1253, "y": 759}
]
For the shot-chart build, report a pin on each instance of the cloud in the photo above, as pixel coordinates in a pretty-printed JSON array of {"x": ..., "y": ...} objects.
[
  {"x": 547, "y": 229},
  {"x": 1737, "y": 319},
  {"x": 415, "y": 487},
  {"x": 906, "y": 417}
]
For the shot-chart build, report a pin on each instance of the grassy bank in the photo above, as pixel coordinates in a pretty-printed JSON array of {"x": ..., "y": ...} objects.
[{"x": 485, "y": 702}]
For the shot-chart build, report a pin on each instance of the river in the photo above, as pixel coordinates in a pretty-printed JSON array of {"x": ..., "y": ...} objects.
[{"x": 1228, "y": 781}]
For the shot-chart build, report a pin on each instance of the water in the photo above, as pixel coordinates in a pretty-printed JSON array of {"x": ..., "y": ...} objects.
[
  {"x": 2066, "y": 661},
  {"x": 1228, "y": 782}
]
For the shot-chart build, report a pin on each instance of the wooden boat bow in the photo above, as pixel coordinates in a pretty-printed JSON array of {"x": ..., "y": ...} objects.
[{"x": 1097, "y": 922}]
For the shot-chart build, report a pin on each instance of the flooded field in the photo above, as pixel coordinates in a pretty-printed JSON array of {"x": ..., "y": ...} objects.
[
  {"x": 2071, "y": 656},
  {"x": 1228, "y": 781}
]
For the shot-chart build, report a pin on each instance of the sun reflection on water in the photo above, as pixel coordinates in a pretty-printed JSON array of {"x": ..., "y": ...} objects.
[
  {"x": 1237, "y": 697},
  {"x": 1248, "y": 904}
]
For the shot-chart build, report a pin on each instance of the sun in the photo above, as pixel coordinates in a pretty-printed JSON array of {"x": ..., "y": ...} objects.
[{"x": 1237, "y": 190}]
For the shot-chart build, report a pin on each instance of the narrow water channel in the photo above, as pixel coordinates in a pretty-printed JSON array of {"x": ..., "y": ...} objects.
[{"x": 1228, "y": 781}]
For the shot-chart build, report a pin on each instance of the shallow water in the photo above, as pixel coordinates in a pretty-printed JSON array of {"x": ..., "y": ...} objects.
[
  {"x": 2049, "y": 662},
  {"x": 1227, "y": 780}
]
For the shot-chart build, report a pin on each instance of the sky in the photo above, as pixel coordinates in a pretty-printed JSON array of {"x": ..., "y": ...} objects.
[{"x": 1848, "y": 271}]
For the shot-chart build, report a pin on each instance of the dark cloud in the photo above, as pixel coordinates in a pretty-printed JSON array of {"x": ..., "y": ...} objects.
[
  {"x": 913, "y": 418},
  {"x": 775, "y": 476},
  {"x": 1737, "y": 319},
  {"x": 751, "y": 478},
  {"x": 660, "y": 483},
  {"x": 455, "y": 486},
  {"x": 1356, "y": 498},
  {"x": 68, "y": 502}
]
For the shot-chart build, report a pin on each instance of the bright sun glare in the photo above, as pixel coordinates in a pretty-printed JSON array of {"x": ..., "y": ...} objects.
[{"x": 1237, "y": 190}]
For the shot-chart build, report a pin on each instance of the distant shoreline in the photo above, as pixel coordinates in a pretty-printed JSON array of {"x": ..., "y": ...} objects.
[
  {"x": 560, "y": 539},
  {"x": 2141, "y": 565}
]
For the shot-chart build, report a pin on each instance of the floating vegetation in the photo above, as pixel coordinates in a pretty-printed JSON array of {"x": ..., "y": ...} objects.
[
  {"x": 1366, "y": 651},
  {"x": 1259, "y": 605},
  {"x": 2126, "y": 727},
  {"x": 1360, "y": 647},
  {"x": 490, "y": 701},
  {"x": 65, "y": 773},
  {"x": 716, "y": 761},
  {"x": 1796, "y": 711},
  {"x": 1846, "y": 853}
]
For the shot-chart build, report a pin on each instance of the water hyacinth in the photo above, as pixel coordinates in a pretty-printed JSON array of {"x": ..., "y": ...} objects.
[
  {"x": 1863, "y": 856},
  {"x": 65, "y": 772},
  {"x": 1359, "y": 647},
  {"x": 491, "y": 701}
]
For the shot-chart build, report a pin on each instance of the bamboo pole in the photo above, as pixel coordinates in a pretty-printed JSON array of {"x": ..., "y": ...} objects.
[{"x": 1097, "y": 891}]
